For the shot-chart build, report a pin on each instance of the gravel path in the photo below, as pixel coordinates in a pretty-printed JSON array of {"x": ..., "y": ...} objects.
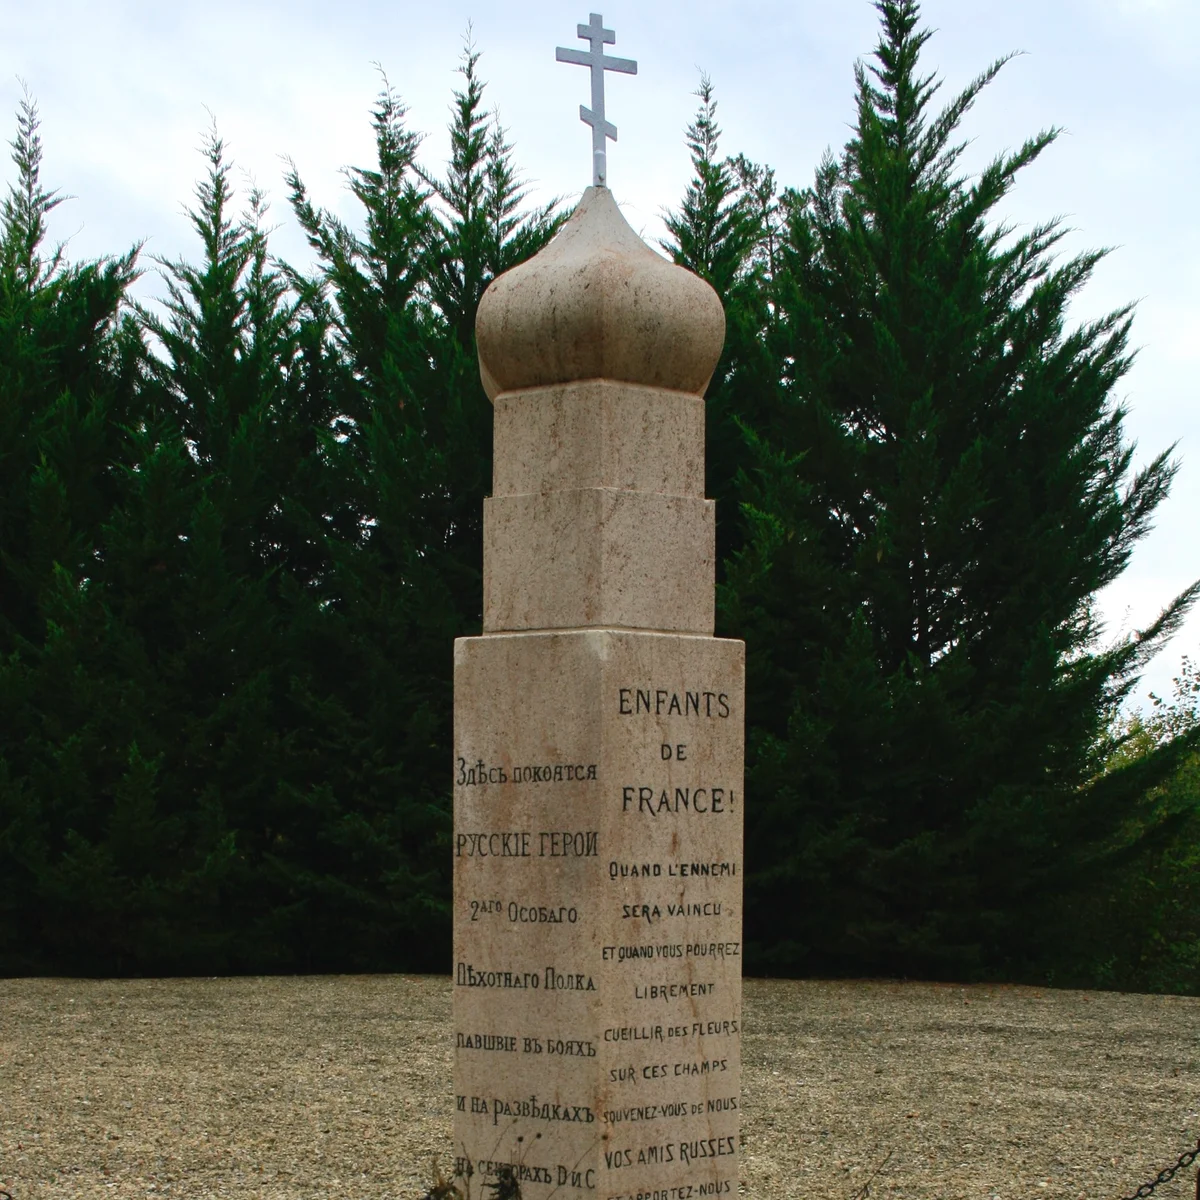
[{"x": 338, "y": 1088}]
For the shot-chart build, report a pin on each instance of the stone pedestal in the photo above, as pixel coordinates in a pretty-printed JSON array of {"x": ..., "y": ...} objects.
[{"x": 598, "y": 747}]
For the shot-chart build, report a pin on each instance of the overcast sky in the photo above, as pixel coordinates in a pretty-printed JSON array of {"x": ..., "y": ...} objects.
[{"x": 125, "y": 90}]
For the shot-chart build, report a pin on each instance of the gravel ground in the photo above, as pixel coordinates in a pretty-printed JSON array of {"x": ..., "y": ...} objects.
[{"x": 338, "y": 1087}]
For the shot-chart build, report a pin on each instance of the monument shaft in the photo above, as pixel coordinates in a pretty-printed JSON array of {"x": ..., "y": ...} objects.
[{"x": 598, "y": 757}]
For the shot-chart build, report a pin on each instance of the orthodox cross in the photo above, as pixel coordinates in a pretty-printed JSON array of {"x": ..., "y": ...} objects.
[{"x": 598, "y": 37}]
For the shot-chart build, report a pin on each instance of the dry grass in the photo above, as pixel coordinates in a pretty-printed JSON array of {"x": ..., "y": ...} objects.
[{"x": 339, "y": 1088}]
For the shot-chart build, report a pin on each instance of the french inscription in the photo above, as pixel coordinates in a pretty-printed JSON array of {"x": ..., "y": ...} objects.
[
  {"x": 652, "y": 1071},
  {"x": 678, "y": 1108},
  {"x": 648, "y": 1112},
  {"x": 657, "y": 1033},
  {"x": 657, "y": 702},
  {"x": 634, "y": 1033},
  {"x": 662, "y": 1070},
  {"x": 624, "y": 953},
  {"x": 672, "y": 991},
  {"x": 652, "y": 801},
  {"x": 640, "y": 954},
  {"x": 681, "y": 1191},
  {"x": 659, "y": 912},
  {"x": 672, "y": 870},
  {"x": 682, "y": 1152}
]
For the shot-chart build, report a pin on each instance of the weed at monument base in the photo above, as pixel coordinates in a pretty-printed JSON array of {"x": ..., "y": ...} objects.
[{"x": 504, "y": 1187}]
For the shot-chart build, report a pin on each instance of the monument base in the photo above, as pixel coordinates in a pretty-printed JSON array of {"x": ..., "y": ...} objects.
[{"x": 597, "y": 913}]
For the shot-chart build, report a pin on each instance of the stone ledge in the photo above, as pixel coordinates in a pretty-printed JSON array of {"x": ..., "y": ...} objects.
[
  {"x": 599, "y": 433},
  {"x": 599, "y": 556}
]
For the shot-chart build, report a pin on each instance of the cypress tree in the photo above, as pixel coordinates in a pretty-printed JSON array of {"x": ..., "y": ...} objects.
[
  {"x": 934, "y": 505},
  {"x": 235, "y": 565},
  {"x": 211, "y": 559},
  {"x": 410, "y": 445},
  {"x": 725, "y": 230},
  {"x": 69, "y": 368},
  {"x": 1138, "y": 928}
]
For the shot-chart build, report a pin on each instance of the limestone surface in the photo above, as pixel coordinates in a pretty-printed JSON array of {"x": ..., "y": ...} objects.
[
  {"x": 598, "y": 746},
  {"x": 598, "y": 303},
  {"x": 598, "y": 887}
]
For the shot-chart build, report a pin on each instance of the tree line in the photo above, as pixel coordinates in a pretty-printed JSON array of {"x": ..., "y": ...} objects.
[{"x": 241, "y": 527}]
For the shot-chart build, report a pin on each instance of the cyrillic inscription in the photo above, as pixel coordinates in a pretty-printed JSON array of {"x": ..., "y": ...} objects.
[
  {"x": 633, "y": 1033},
  {"x": 481, "y": 773},
  {"x": 525, "y": 1172},
  {"x": 521, "y": 843}
]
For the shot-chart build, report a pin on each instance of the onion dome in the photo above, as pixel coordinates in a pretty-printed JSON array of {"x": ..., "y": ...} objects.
[{"x": 598, "y": 303}]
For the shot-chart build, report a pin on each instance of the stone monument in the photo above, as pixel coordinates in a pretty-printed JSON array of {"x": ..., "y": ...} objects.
[{"x": 598, "y": 737}]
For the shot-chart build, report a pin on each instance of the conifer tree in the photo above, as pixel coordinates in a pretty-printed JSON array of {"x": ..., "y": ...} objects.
[
  {"x": 411, "y": 447},
  {"x": 69, "y": 369},
  {"x": 937, "y": 500},
  {"x": 234, "y": 567},
  {"x": 725, "y": 231},
  {"x": 1138, "y": 927}
]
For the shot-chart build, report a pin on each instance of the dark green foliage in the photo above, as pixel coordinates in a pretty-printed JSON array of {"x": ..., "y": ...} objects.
[
  {"x": 68, "y": 375},
  {"x": 726, "y": 231},
  {"x": 1138, "y": 926},
  {"x": 934, "y": 504},
  {"x": 240, "y": 530},
  {"x": 226, "y": 680},
  {"x": 411, "y": 450}
]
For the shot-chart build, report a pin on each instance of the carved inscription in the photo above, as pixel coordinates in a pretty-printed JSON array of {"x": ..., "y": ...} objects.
[
  {"x": 481, "y": 773},
  {"x": 692, "y": 893},
  {"x": 672, "y": 870},
  {"x": 598, "y": 951},
  {"x": 511, "y": 1044},
  {"x": 551, "y": 979},
  {"x": 656, "y": 701},
  {"x": 555, "y": 1174},
  {"x": 682, "y": 1191},
  {"x": 519, "y": 843}
]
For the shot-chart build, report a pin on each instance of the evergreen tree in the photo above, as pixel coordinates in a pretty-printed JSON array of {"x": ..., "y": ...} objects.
[
  {"x": 234, "y": 568},
  {"x": 411, "y": 447},
  {"x": 940, "y": 495},
  {"x": 212, "y": 562},
  {"x": 69, "y": 369},
  {"x": 725, "y": 231},
  {"x": 1138, "y": 928}
]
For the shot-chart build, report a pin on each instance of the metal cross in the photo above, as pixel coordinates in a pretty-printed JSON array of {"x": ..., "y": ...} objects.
[{"x": 598, "y": 36}]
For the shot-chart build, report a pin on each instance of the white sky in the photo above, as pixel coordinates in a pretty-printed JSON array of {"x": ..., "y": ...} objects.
[{"x": 123, "y": 89}]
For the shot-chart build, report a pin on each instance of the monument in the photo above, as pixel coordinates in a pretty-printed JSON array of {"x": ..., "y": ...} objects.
[{"x": 598, "y": 736}]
